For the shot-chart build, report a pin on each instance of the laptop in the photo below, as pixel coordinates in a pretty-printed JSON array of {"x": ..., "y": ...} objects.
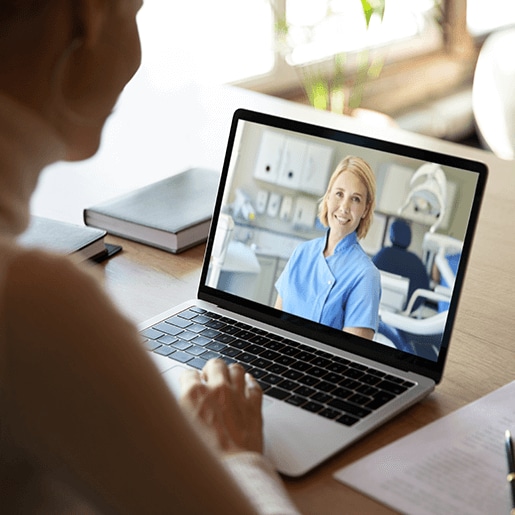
[{"x": 324, "y": 388}]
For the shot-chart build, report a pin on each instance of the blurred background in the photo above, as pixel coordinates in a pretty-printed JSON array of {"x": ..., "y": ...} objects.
[{"x": 437, "y": 67}]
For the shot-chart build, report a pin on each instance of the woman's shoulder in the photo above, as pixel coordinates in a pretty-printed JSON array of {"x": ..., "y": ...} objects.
[
  {"x": 365, "y": 259},
  {"x": 39, "y": 273},
  {"x": 311, "y": 245}
]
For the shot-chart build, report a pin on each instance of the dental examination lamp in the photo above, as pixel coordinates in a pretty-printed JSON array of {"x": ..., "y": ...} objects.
[{"x": 428, "y": 193}]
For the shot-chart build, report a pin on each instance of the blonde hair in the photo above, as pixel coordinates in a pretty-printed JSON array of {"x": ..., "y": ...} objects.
[{"x": 361, "y": 169}]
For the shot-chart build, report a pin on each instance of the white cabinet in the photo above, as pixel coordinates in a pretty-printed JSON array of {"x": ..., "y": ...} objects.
[
  {"x": 269, "y": 156},
  {"x": 293, "y": 163}
]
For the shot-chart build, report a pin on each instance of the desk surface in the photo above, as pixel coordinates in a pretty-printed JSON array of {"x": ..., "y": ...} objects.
[{"x": 146, "y": 281}]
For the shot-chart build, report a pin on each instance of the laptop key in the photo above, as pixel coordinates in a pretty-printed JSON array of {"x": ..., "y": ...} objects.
[
  {"x": 210, "y": 333},
  {"x": 370, "y": 379},
  {"x": 359, "y": 399},
  {"x": 369, "y": 391},
  {"x": 288, "y": 385},
  {"x": 342, "y": 393},
  {"x": 201, "y": 340},
  {"x": 300, "y": 365},
  {"x": 196, "y": 309},
  {"x": 215, "y": 324},
  {"x": 216, "y": 346},
  {"x": 180, "y": 345},
  {"x": 305, "y": 391},
  {"x": 182, "y": 357},
  {"x": 314, "y": 407},
  {"x": 239, "y": 344},
  {"x": 293, "y": 374},
  {"x": 347, "y": 420},
  {"x": 330, "y": 413},
  {"x": 322, "y": 397},
  {"x": 245, "y": 357},
  {"x": 230, "y": 352},
  {"x": 197, "y": 363},
  {"x": 164, "y": 350},
  {"x": 225, "y": 338},
  {"x": 152, "y": 334},
  {"x": 285, "y": 360},
  {"x": 272, "y": 379},
  {"x": 254, "y": 349},
  {"x": 256, "y": 373},
  {"x": 261, "y": 363},
  {"x": 178, "y": 321},
  {"x": 316, "y": 371},
  {"x": 187, "y": 335},
  {"x": 380, "y": 399},
  {"x": 325, "y": 386},
  {"x": 209, "y": 354},
  {"x": 394, "y": 388},
  {"x": 277, "y": 393},
  {"x": 270, "y": 354},
  {"x": 152, "y": 345},
  {"x": 296, "y": 400},
  {"x": 275, "y": 368},
  {"x": 309, "y": 380},
  {"x": 188, "y": 314},
  {"x": 167, "y": 328},
  {"x": 167, "y": 339},
  {"x": 196, "y": 350},
  {"x": 259, "y": 340},
  {"x": 353, "y": 409}
]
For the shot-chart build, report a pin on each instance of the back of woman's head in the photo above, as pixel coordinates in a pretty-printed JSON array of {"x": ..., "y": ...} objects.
[{"x": 12, "y": 10}]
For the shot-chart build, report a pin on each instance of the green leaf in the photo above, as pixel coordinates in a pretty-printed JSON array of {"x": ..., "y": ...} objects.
[{"x": 371, "y": 8}]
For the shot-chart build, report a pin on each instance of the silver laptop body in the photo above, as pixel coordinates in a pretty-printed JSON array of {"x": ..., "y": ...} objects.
[{"x": 274, "y": 173}]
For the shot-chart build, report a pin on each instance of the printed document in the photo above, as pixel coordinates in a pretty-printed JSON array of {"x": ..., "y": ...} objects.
[{"x": 456, "y": 464}]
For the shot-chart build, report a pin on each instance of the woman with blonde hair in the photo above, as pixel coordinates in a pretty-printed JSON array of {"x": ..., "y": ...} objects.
[{"x": 331, "y": 280}]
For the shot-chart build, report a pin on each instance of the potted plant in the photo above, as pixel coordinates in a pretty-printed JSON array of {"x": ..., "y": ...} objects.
[{"x": 337, "y": 85}]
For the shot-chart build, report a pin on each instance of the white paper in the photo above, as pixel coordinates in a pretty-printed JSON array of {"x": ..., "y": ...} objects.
[{"x": 454, "y": 465}]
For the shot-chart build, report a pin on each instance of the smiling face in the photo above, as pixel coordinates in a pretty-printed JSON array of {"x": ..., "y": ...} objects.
[
  {"x": 352, "y": 176},
  {"x": 347, "y": 204}
]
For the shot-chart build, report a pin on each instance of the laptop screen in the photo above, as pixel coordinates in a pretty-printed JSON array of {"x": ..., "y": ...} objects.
[{"x": 359, "y": 243}]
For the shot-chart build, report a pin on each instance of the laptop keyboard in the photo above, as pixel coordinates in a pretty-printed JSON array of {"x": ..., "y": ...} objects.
[{"x": 314, "y": 380}]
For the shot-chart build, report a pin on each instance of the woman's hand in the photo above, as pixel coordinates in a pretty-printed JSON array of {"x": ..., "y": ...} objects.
[{"x": 226, "y": 402}]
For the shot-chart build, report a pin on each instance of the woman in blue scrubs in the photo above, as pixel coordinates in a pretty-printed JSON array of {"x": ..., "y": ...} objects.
[{"x": 331, "y": 279}]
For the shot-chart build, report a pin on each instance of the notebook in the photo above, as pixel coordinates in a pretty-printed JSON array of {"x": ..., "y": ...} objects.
[{"x": 324, "y": 387}]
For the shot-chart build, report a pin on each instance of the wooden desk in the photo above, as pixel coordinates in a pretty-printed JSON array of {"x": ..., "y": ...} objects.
[{"x": 145, "y": 281}]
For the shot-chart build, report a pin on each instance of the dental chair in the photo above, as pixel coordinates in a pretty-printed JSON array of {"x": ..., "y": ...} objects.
[
  {"x": 398, "y": 260},
  {"x": 411, "y": 331}
]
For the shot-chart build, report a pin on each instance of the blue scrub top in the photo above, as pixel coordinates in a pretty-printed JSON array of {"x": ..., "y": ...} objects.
[{"x": 340, "y": 291}]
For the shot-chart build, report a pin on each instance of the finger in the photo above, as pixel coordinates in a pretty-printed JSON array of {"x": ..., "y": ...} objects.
[
  {"x": 215, "y": 372},
  {"x": 237, "y": 377},
  {"x": 253, "y": 391},
  {"x": 189, "y": 379}
]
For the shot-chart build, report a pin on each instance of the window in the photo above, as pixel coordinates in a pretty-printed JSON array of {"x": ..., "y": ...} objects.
[
  {"x": 327, "y": 27},
  {"x": 234, "y": 40},
  {"x": 204, "y": 40},
  {"x": 484, "y": 17}
]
